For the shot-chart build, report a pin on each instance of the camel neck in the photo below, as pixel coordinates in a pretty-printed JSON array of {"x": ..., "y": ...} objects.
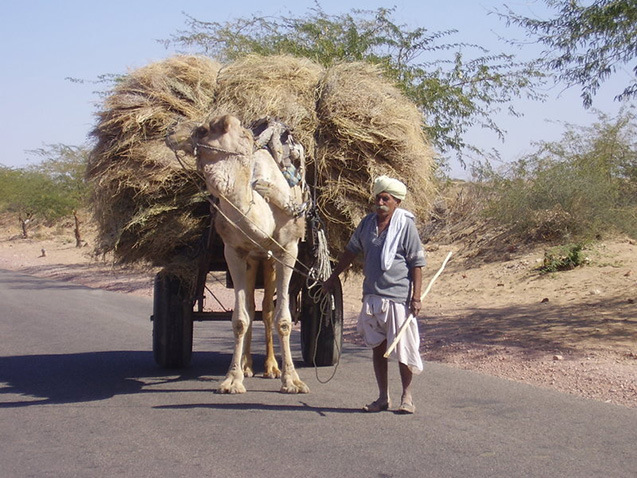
[{"x": 229, "y": 180}]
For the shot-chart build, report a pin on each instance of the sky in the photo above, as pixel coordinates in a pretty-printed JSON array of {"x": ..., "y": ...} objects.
[{"x": 43, "y": 43}]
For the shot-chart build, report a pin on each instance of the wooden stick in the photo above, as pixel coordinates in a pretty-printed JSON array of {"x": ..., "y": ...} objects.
[{"x": 411, "y": 317}]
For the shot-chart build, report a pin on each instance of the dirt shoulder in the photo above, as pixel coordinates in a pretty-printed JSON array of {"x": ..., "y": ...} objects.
[{"x": 574, "y": 331}]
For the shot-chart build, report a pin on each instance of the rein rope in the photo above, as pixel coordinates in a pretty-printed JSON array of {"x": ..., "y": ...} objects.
[{"x": 326, "y": 304}]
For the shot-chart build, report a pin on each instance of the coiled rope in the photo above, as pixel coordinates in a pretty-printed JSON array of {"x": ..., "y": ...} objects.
[{"x": 325, "y": 301}]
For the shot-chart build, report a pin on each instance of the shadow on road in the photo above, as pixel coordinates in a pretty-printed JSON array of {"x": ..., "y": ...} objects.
[
  {"x": 301, "y": 407},
  {"x": 84, "y": 377}
]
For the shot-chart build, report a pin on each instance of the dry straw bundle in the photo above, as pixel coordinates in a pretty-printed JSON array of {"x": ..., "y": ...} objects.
[
  {"x": 367, "y": 128},
  {"x": 146, "y": 205},
  {"x": 353, "y": 124},
  {"x": 283, "y": 87}
]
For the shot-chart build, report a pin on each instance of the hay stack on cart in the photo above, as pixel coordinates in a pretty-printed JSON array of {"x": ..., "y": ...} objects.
[
  {"x": 147, "y": 208},
  {"x": 151, "y": 205},
  {"x": 352, "y": 122}
]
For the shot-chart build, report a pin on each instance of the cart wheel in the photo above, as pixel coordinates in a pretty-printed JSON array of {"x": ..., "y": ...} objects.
[
  {"x": 172, "y": 323},
  {"x": 322, "y": 332}
]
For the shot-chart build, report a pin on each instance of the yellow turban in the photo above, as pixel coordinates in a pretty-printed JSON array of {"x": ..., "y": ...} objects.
[{"x": 389, "y": 185}]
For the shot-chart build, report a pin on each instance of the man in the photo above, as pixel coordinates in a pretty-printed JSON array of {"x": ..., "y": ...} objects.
[{"x": 392, "y": 269}]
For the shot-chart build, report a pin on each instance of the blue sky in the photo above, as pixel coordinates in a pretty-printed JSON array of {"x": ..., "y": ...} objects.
[{"x": 43, "y": 42}]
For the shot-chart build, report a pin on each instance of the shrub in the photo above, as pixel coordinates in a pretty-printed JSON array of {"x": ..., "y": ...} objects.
[
  {"x": 578, "y": 188},
  {"x": 563, "y": 258}
]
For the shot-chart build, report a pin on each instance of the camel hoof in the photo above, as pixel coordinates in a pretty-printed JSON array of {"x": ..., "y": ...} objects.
[
  {"x": 232, "y": 387},
  {"x": 295, "y": 387},
  {"x": 272, "y": 372},
  {"x": 247, "y": 372}
]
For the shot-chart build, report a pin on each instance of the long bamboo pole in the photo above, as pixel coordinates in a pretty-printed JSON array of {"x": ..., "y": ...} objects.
[{"x": 411, "y": 317}]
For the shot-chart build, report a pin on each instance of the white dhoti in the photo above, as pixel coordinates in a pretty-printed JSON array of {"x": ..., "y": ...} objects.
[{"x": 380, "y": 319}]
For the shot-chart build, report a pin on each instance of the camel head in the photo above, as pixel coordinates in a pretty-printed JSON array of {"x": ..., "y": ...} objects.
[
  {"x": 180, "y": 137},
  {"x": 223, "y": 135}
]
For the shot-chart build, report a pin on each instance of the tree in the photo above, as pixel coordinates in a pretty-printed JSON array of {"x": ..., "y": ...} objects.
[
  {"x": 66, "y": 166},
  {"x": 456, "y": 85},
  {"x": 583, "y": 185},
  {"x": 585, "y": 45},
  {"x": 49, "y": 190}
]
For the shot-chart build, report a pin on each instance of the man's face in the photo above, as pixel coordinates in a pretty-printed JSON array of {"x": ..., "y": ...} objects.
[{"x": 386, "y": 204}]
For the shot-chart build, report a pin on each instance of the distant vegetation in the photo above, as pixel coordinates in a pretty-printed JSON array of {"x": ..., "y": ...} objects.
[
  {"x": 567, "y": 192},
  {"x": 580, "y": 187},
  {"x": 48, "y": 191}
]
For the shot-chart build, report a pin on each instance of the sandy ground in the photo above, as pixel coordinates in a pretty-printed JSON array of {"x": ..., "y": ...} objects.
[{"x": 574, "y": 331}]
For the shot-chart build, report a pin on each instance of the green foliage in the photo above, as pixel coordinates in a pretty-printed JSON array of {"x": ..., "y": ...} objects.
[
  {"x": 454, "y": 89},
  {"x": 581, "y": 186},
  {"x": 563, "y": 258},
  {"x": 51, "y": 189},
  {"x": 585, "y": 45}
]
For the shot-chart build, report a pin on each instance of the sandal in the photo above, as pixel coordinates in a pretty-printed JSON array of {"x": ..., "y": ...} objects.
[
  {"x": 406, "y": 408},
  {"x": 376, "y": 407}
]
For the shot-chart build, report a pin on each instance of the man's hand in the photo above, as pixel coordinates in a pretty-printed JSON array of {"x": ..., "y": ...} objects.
[{"x": 415, "y": 306}]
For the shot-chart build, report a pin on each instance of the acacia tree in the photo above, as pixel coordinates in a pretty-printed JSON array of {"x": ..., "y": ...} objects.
[
  {"x": 584, "y": 185},
  {"x": 49, "y": 190},
  {"x": 456, "y": 85},
  {"x": 585, "y": 45}
]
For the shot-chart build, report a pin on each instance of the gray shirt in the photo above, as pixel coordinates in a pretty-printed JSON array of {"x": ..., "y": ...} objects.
[{"x": 395, "y": 282}]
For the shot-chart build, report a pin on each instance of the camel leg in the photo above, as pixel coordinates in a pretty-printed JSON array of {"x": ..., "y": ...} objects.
[
  {"x": 290, "y": 381},
  {"x": 271, "y": 367},
  {"x": 251, "y": 277},
  {"x": 233, "y": 382}
]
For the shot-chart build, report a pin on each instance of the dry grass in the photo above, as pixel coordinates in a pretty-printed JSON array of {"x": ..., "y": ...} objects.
[
  {"x": 367, "y": 128},
  {"x": 352, "y": 122}
]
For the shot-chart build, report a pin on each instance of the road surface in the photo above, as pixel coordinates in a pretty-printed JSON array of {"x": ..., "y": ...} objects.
[{"x": 80, "y": 396}]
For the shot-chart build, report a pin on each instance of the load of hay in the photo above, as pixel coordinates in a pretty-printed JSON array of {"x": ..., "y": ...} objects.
[{"x": 354, "y": 125}]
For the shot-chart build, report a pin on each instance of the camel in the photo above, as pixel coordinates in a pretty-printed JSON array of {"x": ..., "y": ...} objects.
[{"x": 259, "y": 220}]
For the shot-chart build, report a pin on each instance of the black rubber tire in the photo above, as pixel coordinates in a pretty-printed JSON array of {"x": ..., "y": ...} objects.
[
  {"x": 172, "y": 323},
  {"x": 322, "y": 337}
]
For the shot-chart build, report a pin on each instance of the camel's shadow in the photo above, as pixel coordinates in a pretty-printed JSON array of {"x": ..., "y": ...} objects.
[
  {"x": 29, "y": 380},
  {"x": 84, "y": 377}
]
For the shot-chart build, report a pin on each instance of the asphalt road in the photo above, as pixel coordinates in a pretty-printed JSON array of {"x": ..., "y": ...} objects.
[{"x": 80, "y": 396}]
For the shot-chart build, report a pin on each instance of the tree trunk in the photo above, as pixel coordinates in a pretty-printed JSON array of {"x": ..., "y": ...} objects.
[
  {"x": 78, "y": 236},
  {"x": 24, "y": 223}
]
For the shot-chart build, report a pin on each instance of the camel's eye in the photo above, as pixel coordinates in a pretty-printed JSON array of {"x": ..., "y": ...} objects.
[{"x": 201, "y": 131}]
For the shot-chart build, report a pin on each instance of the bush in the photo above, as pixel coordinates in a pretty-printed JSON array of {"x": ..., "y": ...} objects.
[
  {"x": 563, "y": 258},
  {"x": 578, "y": 188}
]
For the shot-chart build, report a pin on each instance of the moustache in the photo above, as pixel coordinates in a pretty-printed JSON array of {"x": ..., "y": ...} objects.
[{"x": 382, "y": 207}]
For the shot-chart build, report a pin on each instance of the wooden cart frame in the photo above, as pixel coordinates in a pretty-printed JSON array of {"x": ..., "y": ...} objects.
[{"x": 176, "y": 307}]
